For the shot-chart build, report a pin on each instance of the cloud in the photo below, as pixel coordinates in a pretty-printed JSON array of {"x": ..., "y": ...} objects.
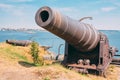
[
  {"x": 66, "y": 9},
  {"x": 21, "y": 0},
  {"x": 14, "y": 10},
  {"x": 4, "y": 6},
  {"x": 108, "y": 9}
]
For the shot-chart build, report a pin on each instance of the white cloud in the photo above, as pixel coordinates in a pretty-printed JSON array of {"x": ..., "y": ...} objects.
[
  {"x": 5, "y": 6},
  {"x": 108, "y": 9},
  {"x": 21, "y": 0},
  {"x": 66, "y": 9},
  {"x": 10, "y": 9}
]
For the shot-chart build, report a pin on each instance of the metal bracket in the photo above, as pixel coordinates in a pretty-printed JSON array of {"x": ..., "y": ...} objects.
[{"x": 85, "y": 18}]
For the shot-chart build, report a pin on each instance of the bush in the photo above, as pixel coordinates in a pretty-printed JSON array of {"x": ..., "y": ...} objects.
[{"x": 35, "y": 53}]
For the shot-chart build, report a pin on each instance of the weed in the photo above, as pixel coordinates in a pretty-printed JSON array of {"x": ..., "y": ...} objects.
[
  {"x": 47, "y": 78},
  {"x": 34, "y": 52}
]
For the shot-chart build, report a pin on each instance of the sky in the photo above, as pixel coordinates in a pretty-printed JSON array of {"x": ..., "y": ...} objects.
[{"x": 21, "y": 13}]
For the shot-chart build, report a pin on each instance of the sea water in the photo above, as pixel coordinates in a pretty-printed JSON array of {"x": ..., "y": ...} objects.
[{"x": 45, "y": 38}]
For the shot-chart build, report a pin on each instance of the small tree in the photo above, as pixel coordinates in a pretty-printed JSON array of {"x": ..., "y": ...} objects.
[{"x": 34, "y": 52}]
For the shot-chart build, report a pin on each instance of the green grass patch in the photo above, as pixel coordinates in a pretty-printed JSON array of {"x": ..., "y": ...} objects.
[{"x": 13, "y": 54}]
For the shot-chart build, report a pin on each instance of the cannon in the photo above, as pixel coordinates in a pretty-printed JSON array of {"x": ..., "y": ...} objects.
[
  {"x": 87, "y": 50},
  {"x": 19, "y": 42}
]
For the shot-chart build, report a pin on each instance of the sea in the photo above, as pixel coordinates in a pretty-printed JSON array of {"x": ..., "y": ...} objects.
[{"x": 45, "y": 38}]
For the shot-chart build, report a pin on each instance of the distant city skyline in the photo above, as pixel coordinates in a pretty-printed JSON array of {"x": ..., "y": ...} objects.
[{"x": 21, "y": 13}]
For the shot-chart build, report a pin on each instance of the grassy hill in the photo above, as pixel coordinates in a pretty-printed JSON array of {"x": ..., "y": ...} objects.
[{"x": 16, "y": 64}]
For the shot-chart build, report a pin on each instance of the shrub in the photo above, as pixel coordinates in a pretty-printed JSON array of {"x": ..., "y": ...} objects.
[{"x": 35, "y": 53}]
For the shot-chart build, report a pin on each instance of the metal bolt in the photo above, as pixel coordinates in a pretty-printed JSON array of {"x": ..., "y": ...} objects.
[
  {"x": 80, "y": 61},
  {"x": 87, "y": 62}
]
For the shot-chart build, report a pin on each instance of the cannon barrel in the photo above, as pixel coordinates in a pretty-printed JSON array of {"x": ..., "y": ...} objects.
[
  {"x": 84, "y": 37},
  {"x": 19, "y": 42}
]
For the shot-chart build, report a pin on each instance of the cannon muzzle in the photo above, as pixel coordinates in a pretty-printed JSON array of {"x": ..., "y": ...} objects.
[{"x": 82, "y": 36}]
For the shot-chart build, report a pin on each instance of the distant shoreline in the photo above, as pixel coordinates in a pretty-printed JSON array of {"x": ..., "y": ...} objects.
[
  {"x": 25, "y": 29},
  {"x": 20, "y": 29}
]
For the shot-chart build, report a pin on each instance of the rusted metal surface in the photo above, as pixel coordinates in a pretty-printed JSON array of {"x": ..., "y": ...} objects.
[
  {"x": 86, "y": 48},
  {"x": 46, "y": 47},
  {"x": 85, "y": 18},
  {"x": 117, "y": 54},
  {"x": 116, "y": 61},
  {"x": 83, "y": 37},
  {"x": 81, "y": 66},
  {"x": 19, "y": 42}
]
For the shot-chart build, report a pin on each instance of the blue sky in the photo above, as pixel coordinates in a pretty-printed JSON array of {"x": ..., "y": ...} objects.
[{"x": 21, "y": 13}]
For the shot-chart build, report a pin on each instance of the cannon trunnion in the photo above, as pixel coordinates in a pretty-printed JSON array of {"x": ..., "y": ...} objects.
[{"x": 86, "y": 49}]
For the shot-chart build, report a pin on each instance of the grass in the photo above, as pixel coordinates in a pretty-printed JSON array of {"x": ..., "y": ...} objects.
[
  {"x": 19, "y": 53},
  {"x": 14, "y": 54},
  {"x": 11, "y": 52}
]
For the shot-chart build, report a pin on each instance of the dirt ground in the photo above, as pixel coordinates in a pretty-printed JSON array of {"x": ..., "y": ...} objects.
[
  {"x": 22, "y": 71},
  {"x": 15, "y": 71}
]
